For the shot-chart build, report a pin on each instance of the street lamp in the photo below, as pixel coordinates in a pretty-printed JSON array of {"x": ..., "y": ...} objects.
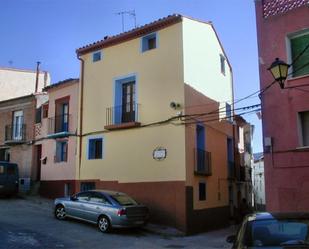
[{"x": 279, "y": 70}]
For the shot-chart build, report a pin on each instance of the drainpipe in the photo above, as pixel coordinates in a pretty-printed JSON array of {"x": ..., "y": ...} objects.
[
  {"x": 37, "y": 76},
  {"x": 81, "y": 115},
  {"x": 234, "y": 144}
]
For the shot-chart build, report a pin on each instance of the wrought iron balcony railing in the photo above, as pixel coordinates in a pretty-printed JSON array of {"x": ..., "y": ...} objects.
[
  {"x": 59, "y": 124},
  {"x": 125, "y": 115},
  {"x": 15, "y": 133},
  {"x": 202, "y": 162}
]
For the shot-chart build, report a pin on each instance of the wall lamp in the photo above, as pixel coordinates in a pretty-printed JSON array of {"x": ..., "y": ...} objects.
[{"x": 279, "y": 70}]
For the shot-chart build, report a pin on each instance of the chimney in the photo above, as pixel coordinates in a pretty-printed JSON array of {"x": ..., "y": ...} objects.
[
  {"x": 45, "y": 78},
  {"x": 37, "y": 76}
]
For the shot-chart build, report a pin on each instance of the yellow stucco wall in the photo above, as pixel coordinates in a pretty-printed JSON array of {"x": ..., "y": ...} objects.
[{"x": 159, "y": 81}]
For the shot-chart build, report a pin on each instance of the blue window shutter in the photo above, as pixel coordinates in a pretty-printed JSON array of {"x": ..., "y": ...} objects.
[
  {"x": 58, "y": 151},
  {"x": 91, "y": 149}
]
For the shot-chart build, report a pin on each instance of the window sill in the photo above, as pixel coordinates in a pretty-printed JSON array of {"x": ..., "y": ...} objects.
[
  {"x": 122, "y": 126},
  {"x": 302, "y": 148}
]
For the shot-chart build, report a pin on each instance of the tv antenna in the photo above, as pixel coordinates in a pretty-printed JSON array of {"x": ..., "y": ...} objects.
[{"x": 128, "y": 12}]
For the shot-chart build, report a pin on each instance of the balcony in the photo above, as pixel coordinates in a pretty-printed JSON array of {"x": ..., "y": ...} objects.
[
  {"x": 15, "y": 134},
  {"x": 202, "y": 162},
  {"x": 122, "y": 117},
  {"x": 60, "y": 126}
]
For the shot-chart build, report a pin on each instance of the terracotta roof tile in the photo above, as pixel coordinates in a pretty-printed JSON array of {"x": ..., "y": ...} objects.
[{"x": 131, "y": 34}]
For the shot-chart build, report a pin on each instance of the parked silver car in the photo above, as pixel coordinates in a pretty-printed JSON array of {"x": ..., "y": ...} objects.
[{"x": 105, "y": 208}]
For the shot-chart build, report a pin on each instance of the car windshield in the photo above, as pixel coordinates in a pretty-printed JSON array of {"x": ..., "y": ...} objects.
[
  {"x": 273, "y": 233},
  {"x": 124, "y": 200}
]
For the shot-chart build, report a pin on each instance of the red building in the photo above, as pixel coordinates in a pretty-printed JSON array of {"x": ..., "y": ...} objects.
[{"x": 283, "y": 32}]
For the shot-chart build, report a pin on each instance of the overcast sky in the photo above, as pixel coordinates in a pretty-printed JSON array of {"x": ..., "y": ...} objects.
[{"x": 51, "y": 30}]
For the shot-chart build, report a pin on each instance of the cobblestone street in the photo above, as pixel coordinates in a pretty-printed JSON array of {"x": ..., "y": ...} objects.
[{"x": 29, "y": 223}]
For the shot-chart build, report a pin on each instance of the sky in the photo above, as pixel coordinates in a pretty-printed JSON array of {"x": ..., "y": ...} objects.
[{"x": 50, "y": 31}]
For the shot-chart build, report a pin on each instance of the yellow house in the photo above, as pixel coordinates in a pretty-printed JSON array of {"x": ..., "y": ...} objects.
[{"x": 139, "y": 130}]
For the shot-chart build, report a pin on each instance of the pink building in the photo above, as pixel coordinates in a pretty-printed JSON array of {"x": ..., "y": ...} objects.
[
  {"x": 283, "y": 32},
  {"x": 55, "y": 147}
]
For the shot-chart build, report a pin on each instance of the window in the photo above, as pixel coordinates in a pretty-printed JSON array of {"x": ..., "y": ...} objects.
[
  {"x": 45, "y": 111},
  {"x": 222, "y": 63},
  {"x": 83, "y": 196},
  {"x": 304, "y": 128},
  {"x": 125, "y": 109},
  {"x": 98, "y": 198},
  {"x": 228, "y": 110},
  {"x": 298, "y": 44},
  {"x": 11, "y": 170},
  {"x": 18, "y": 125},
  {"x": 96, "y": 56},
  {"x": 149, "y": 42},
  {"x": 61, "y": 151},
  {"x": 95, "y": 148},
  {"x": 202, "y": 191},
  {"x": 1, "y": 170},
  {"x": 5, "y": 155},
  {"x": 85, "y": 186},
  {"x": 38, "y": 115}
]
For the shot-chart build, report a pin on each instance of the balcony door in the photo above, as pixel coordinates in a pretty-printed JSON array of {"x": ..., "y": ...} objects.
[
  {"x": 62, "y": 117},
  {"x": 65, "y": 116},
  {"x": 128, "y": 102},
  {"x": 18, "y": 119},
  {"x": 200, "y": 146}
]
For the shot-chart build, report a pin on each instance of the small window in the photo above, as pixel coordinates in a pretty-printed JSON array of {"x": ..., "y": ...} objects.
[
  {"x": 61, "y": 151},
  {"x": 83, "y": 196},
  {"x": 98, "y": 198},
  {"x": 298, "y": 44},
  {"x": 96, "y": 56},
  {"x": 202, "y": 191},
  {"x": 149, "y": 42},
  {"x": 222, "y": 62},
  {"x": 95, "y": 148},
  {"x": 304, "y": 128}
]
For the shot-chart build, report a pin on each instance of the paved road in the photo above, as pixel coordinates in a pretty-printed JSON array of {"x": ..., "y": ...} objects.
[{"x": 30, "y": 224}]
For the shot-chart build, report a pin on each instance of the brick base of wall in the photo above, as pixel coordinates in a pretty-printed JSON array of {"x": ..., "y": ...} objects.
[{"x": 170, "y": 203}]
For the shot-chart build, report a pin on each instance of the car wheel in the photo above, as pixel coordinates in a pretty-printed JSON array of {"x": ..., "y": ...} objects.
[
  {"x": 104, "y": 224},
  {"x": 60, "y": 212}
]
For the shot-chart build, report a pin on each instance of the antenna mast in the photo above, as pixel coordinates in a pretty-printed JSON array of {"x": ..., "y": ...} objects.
[{"x": 128, "y": 12}]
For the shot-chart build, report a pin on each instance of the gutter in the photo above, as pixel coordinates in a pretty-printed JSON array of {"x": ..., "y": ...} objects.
[{"x": 81, "y": 115}]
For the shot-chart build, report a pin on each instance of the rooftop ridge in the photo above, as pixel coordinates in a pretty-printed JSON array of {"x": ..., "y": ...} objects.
[{"x": 131, "y": 34}]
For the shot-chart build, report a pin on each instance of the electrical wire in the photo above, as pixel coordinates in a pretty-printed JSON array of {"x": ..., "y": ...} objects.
[
  {"x": 219, "y": 119},
  {"x": 218, "y": 112}
]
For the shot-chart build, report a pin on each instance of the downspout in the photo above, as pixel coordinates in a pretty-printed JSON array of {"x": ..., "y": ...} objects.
[
  {"x": 234, "y": 144},
  {"x": 81, "y": 115}
]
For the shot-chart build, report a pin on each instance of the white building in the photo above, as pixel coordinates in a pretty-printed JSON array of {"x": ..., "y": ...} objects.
[
  {"x": 258, "y": 182},
  {"x": 15, "y": 83}
]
